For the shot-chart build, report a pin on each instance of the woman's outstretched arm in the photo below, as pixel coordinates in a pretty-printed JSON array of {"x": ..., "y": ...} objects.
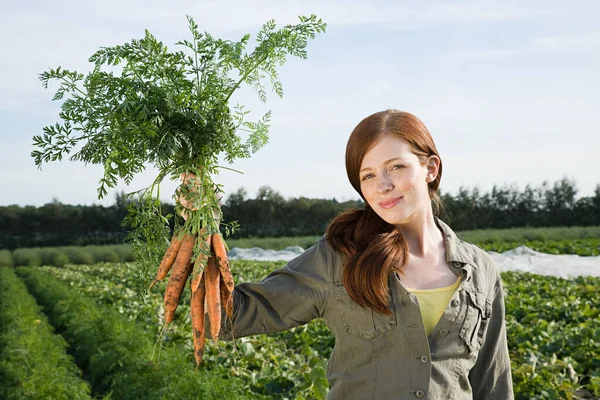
[{"x": 286, "y": 298}]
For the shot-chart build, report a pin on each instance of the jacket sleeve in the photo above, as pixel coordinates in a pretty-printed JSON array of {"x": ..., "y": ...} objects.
[
  {"x": 288, "y": 297},
  {"x": 491, "y": 377}
]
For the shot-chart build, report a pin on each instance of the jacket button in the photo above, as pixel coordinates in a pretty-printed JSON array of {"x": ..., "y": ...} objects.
[
  {"x": 424, "y": 359},
  {"x": 420, "y": 393},
  {"x": 455, "y": 302},
  {"x": 444, "y": 332}
]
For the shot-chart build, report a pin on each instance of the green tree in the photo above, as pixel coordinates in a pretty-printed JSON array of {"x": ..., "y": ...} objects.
[{"x": 560, "y": 201}]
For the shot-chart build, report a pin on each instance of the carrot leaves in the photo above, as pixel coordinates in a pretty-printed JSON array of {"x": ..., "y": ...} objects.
[{"x": 143, "y": 104}]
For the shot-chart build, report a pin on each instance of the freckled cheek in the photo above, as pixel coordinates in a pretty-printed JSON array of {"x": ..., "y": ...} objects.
[
  {"x": 406, "y": 183},
  {"x": 368, "y": 192},
  {"x": 402, "y": 185}
]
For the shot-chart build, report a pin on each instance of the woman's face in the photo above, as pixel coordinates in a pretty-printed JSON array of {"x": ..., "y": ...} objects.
[{"x": 394, "y": 181}]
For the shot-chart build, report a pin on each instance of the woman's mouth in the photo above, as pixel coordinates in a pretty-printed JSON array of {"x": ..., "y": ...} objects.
[{"x": 390, "y": 202}]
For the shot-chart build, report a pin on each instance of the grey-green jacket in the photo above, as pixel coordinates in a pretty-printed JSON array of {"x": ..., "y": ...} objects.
[{"x": 390, "y": 357}]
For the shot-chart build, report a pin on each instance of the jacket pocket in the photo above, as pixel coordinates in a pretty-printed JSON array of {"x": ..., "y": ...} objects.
[
  {"x": 360, "y": 321},
  {"x": 477, "y": 320}
]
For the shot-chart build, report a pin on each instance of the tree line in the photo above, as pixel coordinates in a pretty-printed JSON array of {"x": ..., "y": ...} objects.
[{"x": 269, "y": 214}]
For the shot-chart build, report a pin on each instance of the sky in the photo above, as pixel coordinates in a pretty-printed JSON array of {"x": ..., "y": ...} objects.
[{"x": 509, "y": 90}]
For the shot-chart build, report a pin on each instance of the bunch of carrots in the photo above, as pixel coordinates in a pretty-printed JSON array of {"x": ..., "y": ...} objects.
[{"x": 212, "y": 286}]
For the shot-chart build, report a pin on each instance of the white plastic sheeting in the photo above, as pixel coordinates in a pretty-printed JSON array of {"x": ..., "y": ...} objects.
[
  {"x": 519, "y": 259},
  {"x": 258, "y": 254},
  {"x": 563, "y": 265}
]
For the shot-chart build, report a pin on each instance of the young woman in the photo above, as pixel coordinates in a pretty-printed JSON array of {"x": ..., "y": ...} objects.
[{"x": 416, "y": 312}]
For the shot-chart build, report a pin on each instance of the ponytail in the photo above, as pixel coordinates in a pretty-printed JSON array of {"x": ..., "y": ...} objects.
[{"x": 373, "y": 249}]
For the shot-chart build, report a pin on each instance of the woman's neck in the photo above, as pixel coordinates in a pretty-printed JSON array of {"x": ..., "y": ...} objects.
[{"x": 422, "y": 234}]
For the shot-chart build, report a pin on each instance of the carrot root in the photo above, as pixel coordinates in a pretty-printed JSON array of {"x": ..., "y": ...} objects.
[
  {"x": 226, "y": 298},
  {"x": 222, "y": 259},
  {"x": 213, "y": 298},
  {"x": 227, "y": 283},
  {"x": 197, "y": 314},
  {"x": 179, "y": 275},
  {"x": 200, "y": 262},
  {"x": 168, "y": 259}
]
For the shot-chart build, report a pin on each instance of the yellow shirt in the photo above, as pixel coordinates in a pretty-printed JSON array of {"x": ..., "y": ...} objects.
[{"x": 433, "y": 302}]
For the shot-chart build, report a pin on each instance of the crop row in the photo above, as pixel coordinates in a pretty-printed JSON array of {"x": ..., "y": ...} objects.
[
  {"x": 34, "y": 363},
  {"x": 581, "y": 247},
  {"x": 285, "y": 365},
  {"x": 115, "y": 354},
  {"x": 60, "y": 256}
]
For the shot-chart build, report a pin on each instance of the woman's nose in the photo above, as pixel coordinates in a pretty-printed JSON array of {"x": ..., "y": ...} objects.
[{"x": 384, "y": 185}]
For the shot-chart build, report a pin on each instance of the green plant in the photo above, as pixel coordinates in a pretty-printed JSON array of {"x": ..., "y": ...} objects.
[
  {"x": 582, "y": 247},
  {"x": 46, "y": 254},
  {"x": 553, "y": 329},
  {"x": 79, "y": 255},
  {"x": 27, "y": 257},
  {"x": 60, "y": 259},
  {"x": 115, "y": 354},
  {"x": 125, "y": 252},
  {"x": 287, "y": 365},
  {"x": 34, "y": 363},
  {"x": 531, "y": 234},
  {"x": 553, "y": 333},
  {"x": 53, "y": 256},
  {"x": 171, "y": 110},
  {"x": 104, "y": 253},
  {"x": 6, "y": 259}
]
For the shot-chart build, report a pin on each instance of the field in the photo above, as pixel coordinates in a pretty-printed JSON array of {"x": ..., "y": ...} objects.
[
  {"x": 584, "y": 241},
  {"x": 104, "y": 339}
]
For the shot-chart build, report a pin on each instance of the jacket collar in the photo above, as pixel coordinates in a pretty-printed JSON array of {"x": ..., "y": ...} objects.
[{"x": 458, "y": 256}]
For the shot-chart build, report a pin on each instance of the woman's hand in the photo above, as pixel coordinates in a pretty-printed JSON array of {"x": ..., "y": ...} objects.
[{"x": 191, "y": 179}]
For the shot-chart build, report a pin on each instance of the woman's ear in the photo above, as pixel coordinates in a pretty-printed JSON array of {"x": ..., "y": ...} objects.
[{"x": 433, "y": 167}]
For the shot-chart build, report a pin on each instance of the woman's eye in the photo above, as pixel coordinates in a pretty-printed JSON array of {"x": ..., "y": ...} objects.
[
  {"x": 397, "y": 166},
  {"x": 364, "y": 178}
]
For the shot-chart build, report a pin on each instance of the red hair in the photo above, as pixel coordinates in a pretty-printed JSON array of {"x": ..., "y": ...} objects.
[{"x": 373, "y": 247}]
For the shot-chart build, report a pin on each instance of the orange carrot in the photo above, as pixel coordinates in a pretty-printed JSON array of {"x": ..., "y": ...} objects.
[
  {"x": 223, "y": 261},
  {"x": 179, "y": 274},
  {"x": 168, "y": 259},
  {"x": 213, "y": 299},
  {"x": 226, "y": 298},
  {"x": 200, "y": 262},
  {"x": 220, "y": 251},
  {"x": 197, "y": 314}
]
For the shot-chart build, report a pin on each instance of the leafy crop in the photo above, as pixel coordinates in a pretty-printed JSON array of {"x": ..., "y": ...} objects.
[
  {"x": 582, "y": 247},
  {"x": 34, "y": 363},
  {"x": 285, "y": 365},
  {"x": 114, "y": 353},
  {"x": 171, "y": 110},
  {"x": 6, "y": 259},
  {"x": 552, "y": 327},
  {"x": 554, "y": 335}
]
